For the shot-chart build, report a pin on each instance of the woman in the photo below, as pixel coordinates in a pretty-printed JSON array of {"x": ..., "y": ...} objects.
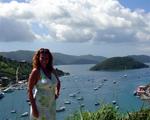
[{"x": 47, "y": 86}]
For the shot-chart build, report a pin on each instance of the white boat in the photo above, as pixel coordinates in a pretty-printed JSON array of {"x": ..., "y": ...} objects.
[
  {"x": 114, "y": 102},
  {"x": 25, "y": 114},
  {"x": 72, "y": 95},
  {"x": 80, "y": 98},
  {"x": 105, "y": 79},
  {"x": 82, "y": 105},
  {"x": 67, "y": 102},
  {"x": 97, "y": 103},
  {"x": 27, "y": 100},
  {"x": 96, "y": 88},
  {"x": 114, "y": 82},
  {"x": 8, "y": 90},
  {"x": 117, "y": 107},
  {"x": 125, "y": 75},
  {"x": 13, "y": 111},
  {"x": 62, "y": 108}
]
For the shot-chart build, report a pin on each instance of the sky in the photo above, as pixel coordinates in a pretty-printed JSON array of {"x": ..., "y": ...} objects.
[{"x": 76, "y": 27}]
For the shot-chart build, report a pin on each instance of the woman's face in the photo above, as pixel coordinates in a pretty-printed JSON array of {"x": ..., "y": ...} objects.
[{"x": 44, "y": 59}]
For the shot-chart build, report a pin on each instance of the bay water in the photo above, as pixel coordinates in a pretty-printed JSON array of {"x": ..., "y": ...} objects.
[{"x": 92, "y": 86}]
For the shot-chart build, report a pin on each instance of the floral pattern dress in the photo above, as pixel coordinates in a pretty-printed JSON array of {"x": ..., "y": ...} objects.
[{"x": 45, "y": 97}]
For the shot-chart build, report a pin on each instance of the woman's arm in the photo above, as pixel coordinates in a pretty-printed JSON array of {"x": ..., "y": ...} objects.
[
  {"x": 58, "y": 84},
  {"x": 32, "y": 81}
]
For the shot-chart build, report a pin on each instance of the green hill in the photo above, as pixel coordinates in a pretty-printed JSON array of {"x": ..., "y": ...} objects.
[
  {"x": 8, "y": 69},
  {"x": 118, "y": 63},
  {"x": 19, "y": 55}
]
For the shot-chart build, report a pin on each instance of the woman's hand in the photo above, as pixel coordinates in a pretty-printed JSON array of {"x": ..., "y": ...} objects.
[
  {"x": 56, "y": 96},
  {"x": 35, "y": 113}
]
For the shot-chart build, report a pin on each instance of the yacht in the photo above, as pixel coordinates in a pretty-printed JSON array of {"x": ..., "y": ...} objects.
[
  {"x": 82, "y": 105},
  {"x": 97, "y": 103},
  {"x": 80, "y": 98},
  {"x": 125, "y": 75},
  {"x": 114, "y": 102},
  {"x": 8, "y": 90},
  {"x": 13, "y": 111},
  {"x": 62, "y": 108},
  {"x": 25, "y": 114},
  {"x": 67, "y": 102},
  {"x": 72, "y": 95}
]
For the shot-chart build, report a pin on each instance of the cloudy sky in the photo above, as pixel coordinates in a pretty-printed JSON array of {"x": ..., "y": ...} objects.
[{"x": 77, "y": 27}]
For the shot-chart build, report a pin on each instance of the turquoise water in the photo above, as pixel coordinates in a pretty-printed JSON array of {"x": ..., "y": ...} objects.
[{"x": 83, "y": 80}]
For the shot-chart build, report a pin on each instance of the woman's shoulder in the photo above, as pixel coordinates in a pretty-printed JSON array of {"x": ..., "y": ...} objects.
[
  {"x": 34, "y": 76},
  {"x": 35, "y": 71}
]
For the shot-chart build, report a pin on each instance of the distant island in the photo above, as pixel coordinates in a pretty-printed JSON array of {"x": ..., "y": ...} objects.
[
  {"x": 118, "y": 63},
  {"x": 11, "y": 70}
]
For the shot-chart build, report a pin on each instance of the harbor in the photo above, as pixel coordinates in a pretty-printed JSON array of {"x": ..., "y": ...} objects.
[{"x": 77, "y": 92}]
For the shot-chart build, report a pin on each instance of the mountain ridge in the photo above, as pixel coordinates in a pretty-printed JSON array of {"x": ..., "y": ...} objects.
[
  {"x": 66, "y": 59},
  {"x": 59, "y": 58}
]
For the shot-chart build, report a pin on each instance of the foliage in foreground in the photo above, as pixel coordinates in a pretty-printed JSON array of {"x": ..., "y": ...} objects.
[{"x": 109, "y": 112}]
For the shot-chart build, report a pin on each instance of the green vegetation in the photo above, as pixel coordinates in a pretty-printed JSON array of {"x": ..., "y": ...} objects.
[
  {"x": 109, "y": 112},
  {"x": 8, "y": 68},
  {"x": 61, "y": 73},
  {"x": 119, "y": 63}
]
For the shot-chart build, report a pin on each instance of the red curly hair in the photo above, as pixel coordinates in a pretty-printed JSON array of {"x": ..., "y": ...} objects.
[{"x": 36, "y": 61}]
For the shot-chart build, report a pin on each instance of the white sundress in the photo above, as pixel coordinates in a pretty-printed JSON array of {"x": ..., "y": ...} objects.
[{"x": 45, "y": 97}]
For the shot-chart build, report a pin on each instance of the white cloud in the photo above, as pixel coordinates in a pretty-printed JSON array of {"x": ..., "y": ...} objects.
[
  {"x": 143, "y": 36},
  {"x": 80, "y": 20},
  {"x": 16, "y": 10},
  {"x": 14, "y": 30}
]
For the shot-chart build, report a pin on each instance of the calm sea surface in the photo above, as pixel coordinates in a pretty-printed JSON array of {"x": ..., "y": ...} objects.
[{"x": 82, "y": 82}]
